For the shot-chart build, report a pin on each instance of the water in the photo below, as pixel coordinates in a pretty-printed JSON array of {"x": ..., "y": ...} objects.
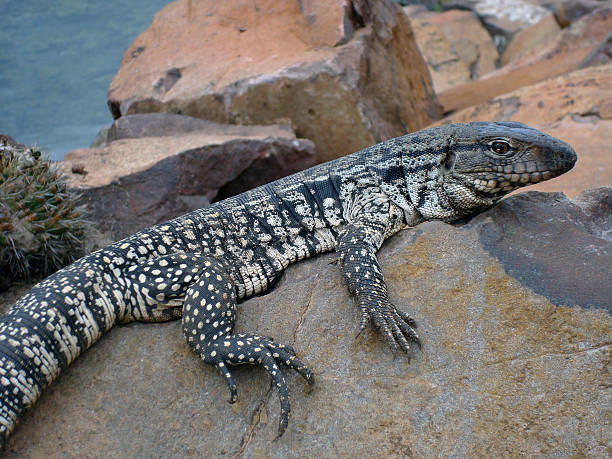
[{"x": 57, "y": 59}]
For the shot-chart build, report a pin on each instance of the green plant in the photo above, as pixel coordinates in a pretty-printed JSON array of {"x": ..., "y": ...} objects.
[{"x": 41, "y": 224}]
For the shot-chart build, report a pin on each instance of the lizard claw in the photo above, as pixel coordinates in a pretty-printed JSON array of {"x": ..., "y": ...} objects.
[
  {"x": 396, "y": 326},
  {"x": 238, "y": 349}
]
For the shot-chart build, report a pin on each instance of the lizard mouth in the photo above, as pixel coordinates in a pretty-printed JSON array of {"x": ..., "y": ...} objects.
[{"x": 511, "y": 176}]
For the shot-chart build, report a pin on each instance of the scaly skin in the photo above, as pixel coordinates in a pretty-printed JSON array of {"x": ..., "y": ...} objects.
[{"x": 197, "y": 266}]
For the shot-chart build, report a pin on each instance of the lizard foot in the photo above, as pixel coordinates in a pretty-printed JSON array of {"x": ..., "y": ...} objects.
[
  {"x": 397, "y": 327},
  {"x": 257, "y": 350}
]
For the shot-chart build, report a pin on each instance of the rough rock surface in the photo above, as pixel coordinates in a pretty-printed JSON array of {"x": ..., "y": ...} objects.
[
  {"x": 454, "y": 44},
  {"x": 534, "y": 36},
  {"x": 565, "y": 53},
  {"x": 134, "y": 183},
  {"x": 471, "y": 40},
  {"x": 601, "y": 54},
  {"x": 503, "y": 18},
  {"x": 514, "y": 310},
  {"x": 568, "y": 11},
  {"x": 576, "y": 107},
  {"x": 170, "y": 124},
  {"x": 344, "y": 74}
]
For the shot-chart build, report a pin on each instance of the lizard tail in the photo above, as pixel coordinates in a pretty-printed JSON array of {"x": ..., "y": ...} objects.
[{"x": 48, "y": 329}]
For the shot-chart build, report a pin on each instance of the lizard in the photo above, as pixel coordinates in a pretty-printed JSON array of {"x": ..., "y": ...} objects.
[{"x": 198, "y": 266}]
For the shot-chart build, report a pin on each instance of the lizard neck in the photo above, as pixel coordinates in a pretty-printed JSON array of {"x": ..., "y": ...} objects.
[{"x": 464, "y": 198}]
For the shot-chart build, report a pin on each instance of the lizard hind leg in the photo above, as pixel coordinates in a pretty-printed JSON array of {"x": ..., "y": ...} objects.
[{"x": 208, "y": 317}]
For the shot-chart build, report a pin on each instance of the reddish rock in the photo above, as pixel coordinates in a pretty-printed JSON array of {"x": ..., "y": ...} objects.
[
  {"x": 581, "y": 92},
  {"x": 602, "y": 54},
  {"x": 576, "y": 107},
  {"x": 503, "y": 18},
  {"x": 344, "y": 74},
  {"x": 134, "y": 183},
  {"x": 471, "y": 40},
  {"x": 534, "y": 36},
  {"x": 454, "y": 44},
  {"x": 445, "y": 66},
  {"x": 563, "y": 54}
]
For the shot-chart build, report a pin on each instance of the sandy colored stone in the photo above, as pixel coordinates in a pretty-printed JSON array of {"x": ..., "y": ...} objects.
[
  {"x": 561, "y": 55},
  {"x": 581, "y": 92},
  {"x": 454, "y": 44},
  {"x": 534, "y": 36},
  {"x": 509, "y": 367},
  {"x": 503, "y": 18},
  {"x": 445, "y": 65},
  {"x": 601, "y": 54},
  {"x": 133, "y": 183},
  {"x": 470, "y": 39},
  {"x": 343, "y": 74}
]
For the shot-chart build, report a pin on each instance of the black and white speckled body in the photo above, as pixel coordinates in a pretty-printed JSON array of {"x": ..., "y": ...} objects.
[{"x": 197, "y": 266}]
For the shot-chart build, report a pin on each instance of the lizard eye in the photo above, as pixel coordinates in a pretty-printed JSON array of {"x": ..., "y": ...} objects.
[{"x": 500, "y": 147}]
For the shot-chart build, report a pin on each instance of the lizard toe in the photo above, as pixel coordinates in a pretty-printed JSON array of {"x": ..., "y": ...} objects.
[
  {"x": 285, "y": 355},
  {"x": 220, "y": 365},
  {"x": 258, "y": 350}
]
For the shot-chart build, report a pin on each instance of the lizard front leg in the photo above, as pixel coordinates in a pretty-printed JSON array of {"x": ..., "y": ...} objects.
[{"x": 356, "y": 247}]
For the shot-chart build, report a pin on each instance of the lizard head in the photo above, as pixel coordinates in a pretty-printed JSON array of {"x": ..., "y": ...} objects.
[{"x": 487, "y": 160}]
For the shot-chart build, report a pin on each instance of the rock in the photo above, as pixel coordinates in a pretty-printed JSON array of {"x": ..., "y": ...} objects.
[
  {"x": 345, "y": 74},
  {"x": 582, "y": 92},
  {"x": 569, "y": 11},
  {"x": 134, "y": 183},
  {"x": 553, "y": 260},
  {"x": 445, "y": 65},
  {"x": 561, "y": 55},
  {"x": 534, "y": 36},
  {"x": 101, "y": 138},
  {"x": 170, "y": 124},
  {"x": 601, "y": 54},
  {"x": 8, "y": 140},
  {"x": 503, "y": 18},
  {"x": 576, "y": 108},
  {"x": 471, "y": 40},
  {"x": 454, "y": 44},
  {"x": 514, "y": 312}
]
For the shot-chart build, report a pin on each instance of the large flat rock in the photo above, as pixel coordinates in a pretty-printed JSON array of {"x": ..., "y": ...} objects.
[
  {"x": 514, "y": 309},
  {"x": 171, "y": 124},
  {"x": 344, "y": 74}
]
